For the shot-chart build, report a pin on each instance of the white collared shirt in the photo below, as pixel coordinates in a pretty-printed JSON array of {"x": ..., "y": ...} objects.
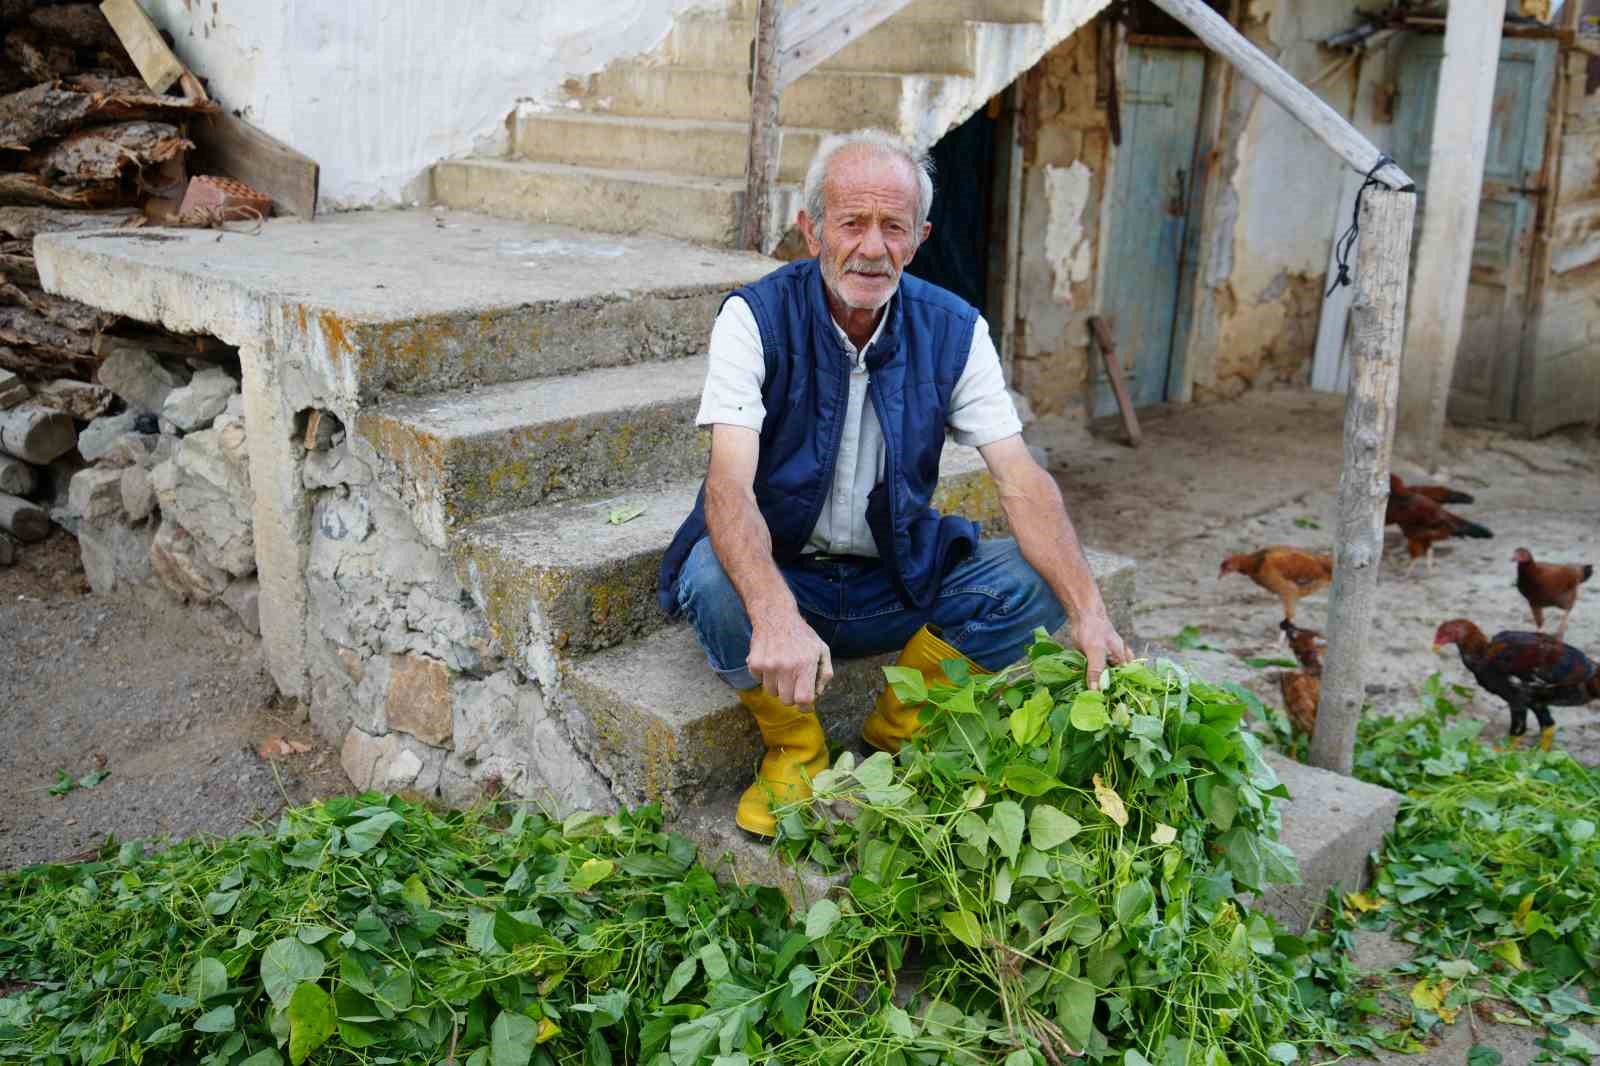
[{"x": 981, "y": 412}]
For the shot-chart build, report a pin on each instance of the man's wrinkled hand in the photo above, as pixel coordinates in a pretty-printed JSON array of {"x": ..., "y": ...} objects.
[
  {"x": 790, "y": 660},
  {"x": 1097, "y": 638}
]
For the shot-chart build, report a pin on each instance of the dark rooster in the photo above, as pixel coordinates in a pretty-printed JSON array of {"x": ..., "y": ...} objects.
[
  {"x": 1302, "y": 688},
  {"x": 1549, "y": 585},
  {"x": 1424, "y": 522},
  {"x": 1436, "y": 493},
  {"x": 1527, "y": 670}
]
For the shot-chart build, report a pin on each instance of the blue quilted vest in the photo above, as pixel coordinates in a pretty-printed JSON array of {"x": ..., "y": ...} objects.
[{"x": 912, "y": 370}]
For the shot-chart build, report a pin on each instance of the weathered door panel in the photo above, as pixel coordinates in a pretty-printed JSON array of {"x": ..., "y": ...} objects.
[
  {"x": 1489, "y": 359},
  {"x": 1160, "y": 101}
]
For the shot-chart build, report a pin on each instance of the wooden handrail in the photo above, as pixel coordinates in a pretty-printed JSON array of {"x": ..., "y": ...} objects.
[
  {"x": 816, "y": 30},
  {"x": 791, "y": 41},
  {"x": 1324, "y": 122}
]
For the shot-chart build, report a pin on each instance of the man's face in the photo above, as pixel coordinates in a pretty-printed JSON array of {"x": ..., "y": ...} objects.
[{"x": 868, "y": 231}]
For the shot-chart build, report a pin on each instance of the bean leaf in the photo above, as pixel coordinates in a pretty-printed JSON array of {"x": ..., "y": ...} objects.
[
  {"x": 963, "y": 926},
  {"x": 1089, "y": 712},
  {"x": 512, "y": 1039},
  {"x": 311, "y": 1021},
  {"x": 1048, "y": 827},
  {"x": 219, "y": 1020},
  {"x": 365, "y": 834},
  {"x": 285, "y": 965},
  {"x": 1006, "y": 823},
  {"x": 821, "y": 918}
]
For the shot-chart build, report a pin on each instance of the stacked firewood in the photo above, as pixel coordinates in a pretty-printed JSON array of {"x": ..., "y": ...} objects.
[{"x": 84, "y": 144}]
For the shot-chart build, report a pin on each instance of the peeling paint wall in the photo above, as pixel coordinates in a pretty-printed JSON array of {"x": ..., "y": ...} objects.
[
  {"x": 377, "y": 90},
  {"x": 1067, "y": 146}
]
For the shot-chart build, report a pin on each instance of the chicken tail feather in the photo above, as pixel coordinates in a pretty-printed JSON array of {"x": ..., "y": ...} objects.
[{"x": 1471, "y": 529}]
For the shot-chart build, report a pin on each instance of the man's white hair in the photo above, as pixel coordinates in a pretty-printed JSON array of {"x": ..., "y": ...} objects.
[{"x": 919, "y": 162}]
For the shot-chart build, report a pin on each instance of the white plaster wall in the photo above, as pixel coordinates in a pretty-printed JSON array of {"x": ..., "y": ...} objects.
[{"x": 377, "y": 90}]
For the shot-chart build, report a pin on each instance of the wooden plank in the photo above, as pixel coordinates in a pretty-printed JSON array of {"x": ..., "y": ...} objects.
[
  {"x": 761, "y": 165},
  {"x": 157, "y": 65},
  {"x": 1108, "y": 351},
  {"x": 1378, "y": 324},
  {"x": 814, "y": 30},
  {"x": 233, "y": 148},
  {"x": 1326, "y": 124}
]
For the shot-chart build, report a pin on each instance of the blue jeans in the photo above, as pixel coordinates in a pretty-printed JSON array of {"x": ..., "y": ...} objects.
[{"x": 988, "y": 607}]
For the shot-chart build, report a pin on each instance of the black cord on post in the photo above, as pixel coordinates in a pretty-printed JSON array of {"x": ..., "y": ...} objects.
[{"x": 1347, "y": 240}]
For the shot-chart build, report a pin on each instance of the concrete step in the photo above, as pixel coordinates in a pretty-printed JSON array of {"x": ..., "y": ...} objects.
[
  {"x": 898, "y": 46},
  {"x": 461, "y": 456},
  {"x": 1331, "y": 823},
  {"x": 567, "y": 578},
  {"x": 665, "y": 728},
  {"x": 703, "y": 148},
  {"x": 946, "y": 10},
  {"x": 606, "y": 200},
  {"x": 824, "y": 98}
]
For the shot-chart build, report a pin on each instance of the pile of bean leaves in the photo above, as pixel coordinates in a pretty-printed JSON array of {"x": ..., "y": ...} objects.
[
  {"x": 1048, "y": 872},
  {"x": 1492, "y": 871}
]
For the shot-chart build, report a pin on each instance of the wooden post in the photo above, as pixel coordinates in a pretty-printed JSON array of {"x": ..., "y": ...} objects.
[
  {"x": 761, "y": 167},
  {"x": 1383, "y": 259},
  {"x": 1327, "y": 124},
  {"x": 1114, "y": 375},
  {"x": 1450, "y": 222}
]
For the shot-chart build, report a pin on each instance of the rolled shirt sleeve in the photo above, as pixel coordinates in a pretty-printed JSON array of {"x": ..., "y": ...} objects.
[
  {"x": 735, "y": 370},
  {"x": 981, "y": 411}
]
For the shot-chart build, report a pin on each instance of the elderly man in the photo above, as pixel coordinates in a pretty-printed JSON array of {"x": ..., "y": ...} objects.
[{"x": 831, "y": 385}]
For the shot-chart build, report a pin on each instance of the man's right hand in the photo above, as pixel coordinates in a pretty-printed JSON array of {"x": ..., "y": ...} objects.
[{"x": 790, "y": 660}]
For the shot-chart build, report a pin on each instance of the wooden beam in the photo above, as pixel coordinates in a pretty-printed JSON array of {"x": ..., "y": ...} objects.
[
  {"x": 761, "y": 166},
  {"x": 1449, "y": 225},
  {"x": 233, "y": 148},
  {"x": 815, "y": 30},
  {"x": 1324, "y": 122},
  {"x": 1378, "y": 325},
  {"x": 1114, "y": 375},
  {"x": 146, "y": 47}
]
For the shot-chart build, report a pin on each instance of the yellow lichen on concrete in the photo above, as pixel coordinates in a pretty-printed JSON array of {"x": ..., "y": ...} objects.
[{"x": 334, "y": 331}]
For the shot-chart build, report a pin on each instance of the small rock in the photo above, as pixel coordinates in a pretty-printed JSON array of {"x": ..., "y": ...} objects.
[
  {"x": 95, "y": 494},
  {"x": 114, "y": 555},
  {"x": 139, "y": 378},
  {"x": 164, "y": 479},
  {"x": 79, "y": 399},
  {"x": 419, "y": 699},
  {"x": 98, "y": 436},
  {"x": 197, "y": 404},
  {"x": 178, "y": 564},
  {"x": 130, "y": 449},
  {"x": 244, "y": 597},
  {"x": 338, "y": 466},
  {"x": 147, "y": 423},
  {"x": 12, "y": 390},
  {"x": 168, "y": 427},
  {"x": 138, "y": 494}
]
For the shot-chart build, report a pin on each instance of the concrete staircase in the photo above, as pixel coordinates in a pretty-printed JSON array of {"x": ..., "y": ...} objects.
[{"x": 658, "y": 143}]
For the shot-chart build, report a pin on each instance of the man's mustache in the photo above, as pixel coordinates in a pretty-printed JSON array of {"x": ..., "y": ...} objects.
[{"x": 872, "y": 267}]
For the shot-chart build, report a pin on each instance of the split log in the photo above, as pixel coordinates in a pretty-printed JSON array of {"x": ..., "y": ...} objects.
[
  {"x": 42, "y": 363},
  {"x": 79, "y": 24},
  {"x": 37, "y": 434},
  {"x": 81, "y": 400},
  {"x": 16, "y": 477},
  {"x": 57, "y": 108},
  {"x": 12, "y": 390},
  {"x": 23, "y": 520},
  {"x": 26, "y": 223},
  {"x": 41, "y": 60},
  {"x": 31, "y": 189},
  {"x": 19, "y": 268},
  {"x": 54, "y": 321},
  {"x": 106, "y": 153}
]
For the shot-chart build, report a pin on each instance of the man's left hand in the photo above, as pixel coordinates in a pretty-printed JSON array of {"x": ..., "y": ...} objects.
[{"x": 1097, "y": 638}]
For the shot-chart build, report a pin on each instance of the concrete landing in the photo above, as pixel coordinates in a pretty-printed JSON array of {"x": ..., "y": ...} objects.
[{"x": 413, "y": 301}]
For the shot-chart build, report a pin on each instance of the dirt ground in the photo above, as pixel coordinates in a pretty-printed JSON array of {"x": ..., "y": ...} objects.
[
  {"x": 1211, "y": 481},
  {"x": 170, "y": 707}
]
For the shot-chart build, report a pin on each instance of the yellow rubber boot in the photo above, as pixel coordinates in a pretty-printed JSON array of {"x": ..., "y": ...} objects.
[
  {"x": 797, "y": 751},
  {"x": 892, "y": 722}
]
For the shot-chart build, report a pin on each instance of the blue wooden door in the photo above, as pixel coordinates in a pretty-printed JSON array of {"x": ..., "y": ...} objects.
[
  {"x": 1160, "y": 102},
  {"x": 1490, "y": 357}
]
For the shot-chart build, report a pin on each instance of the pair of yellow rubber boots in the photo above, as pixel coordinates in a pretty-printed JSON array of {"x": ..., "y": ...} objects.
[{"x": 797, "y": 749}]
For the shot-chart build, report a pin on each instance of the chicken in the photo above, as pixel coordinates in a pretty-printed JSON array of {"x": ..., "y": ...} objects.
[
  {"x": 1288, "y": 572},
  {"x": 1527, "y": 670},
  {"x": 1302, "y": 689},
  {"x": 1424, "y": 522},
  {"x": 1436, "y": 493},
  {"x": 1549, "y": 585}
]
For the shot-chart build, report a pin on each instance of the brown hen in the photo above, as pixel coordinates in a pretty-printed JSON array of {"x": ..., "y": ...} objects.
[
  {"x": 1290, "y": 573},
  {"x": 1549, "y": 585},
  {"x": 1424, "y": 522},
  {"x": 1302, "y": 689}
]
